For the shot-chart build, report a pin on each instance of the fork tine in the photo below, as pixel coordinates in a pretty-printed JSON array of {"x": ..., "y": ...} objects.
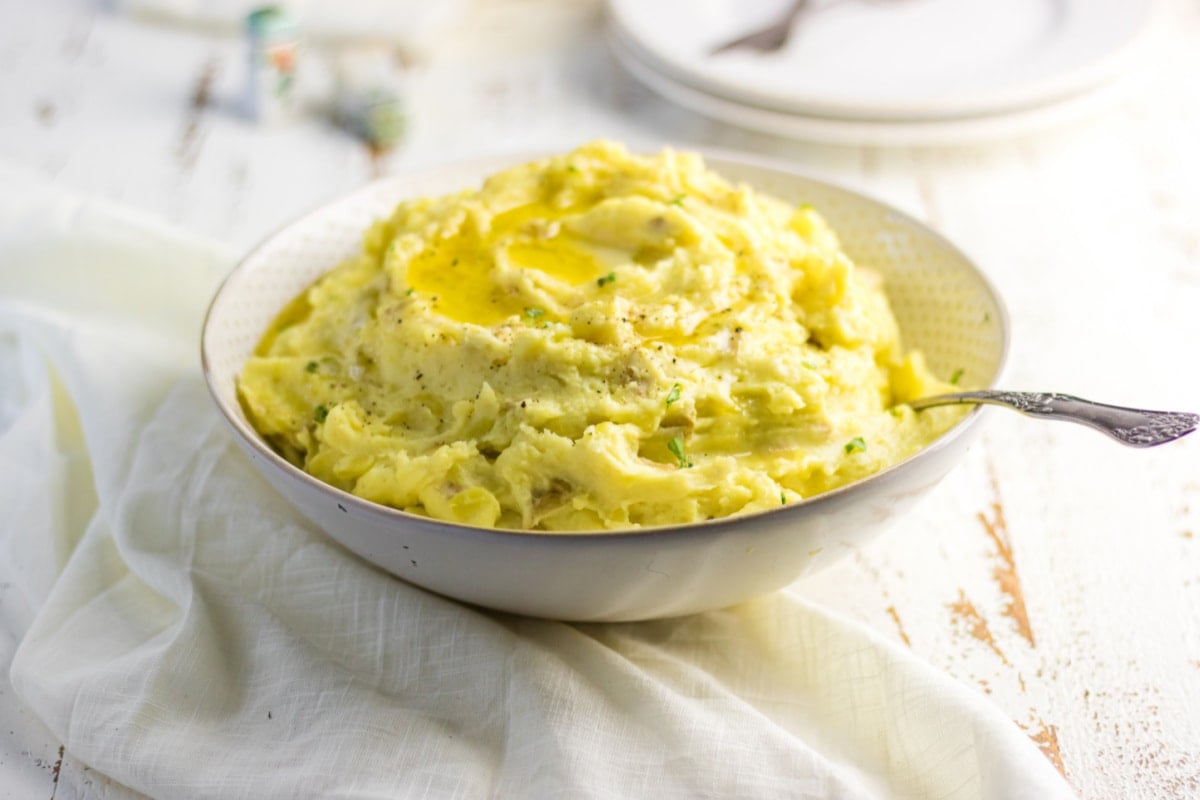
[
  {"x": 769, "y": 38},
  {"x": 762, "y": 40}
]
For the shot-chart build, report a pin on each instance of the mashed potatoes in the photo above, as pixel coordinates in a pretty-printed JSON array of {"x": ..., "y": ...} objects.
[{"x": 594, "y": 341}]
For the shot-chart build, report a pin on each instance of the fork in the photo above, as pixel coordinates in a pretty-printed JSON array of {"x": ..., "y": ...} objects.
[
  {"x": 1135, "y": 427},
  {"x": 769, "y": 39}
]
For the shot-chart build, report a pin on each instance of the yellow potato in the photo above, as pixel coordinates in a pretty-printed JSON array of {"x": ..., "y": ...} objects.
[{"x": 594, "y": 341}]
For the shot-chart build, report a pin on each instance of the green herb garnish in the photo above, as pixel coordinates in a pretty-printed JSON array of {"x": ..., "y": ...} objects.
[
  {"x": 957, "y": 376},
  {"x": 856, "y": 445},
  {"x": 811, "y": 364},
  {"x": 534, "y": 313},
  {"x": 678, "y": 200},
  {"x": 320, "y": 413},
  {"x": 311, "y": 366},
  {"x": 673, "y": 395},
  {"x": 603, "y": 279},
  {"x": 782, "y": 499},
  {"x": 410, "y": 291},
  {"x": 677, "y": 449}
]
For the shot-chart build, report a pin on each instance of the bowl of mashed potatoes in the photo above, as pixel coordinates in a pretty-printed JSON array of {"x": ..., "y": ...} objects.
[{"x": 602, "y": 385}]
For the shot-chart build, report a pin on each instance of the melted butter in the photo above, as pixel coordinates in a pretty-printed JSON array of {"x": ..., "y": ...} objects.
[
  {"x": 457, "y": 275},
  {"x": 558, "y": 257},
  {"x": 517, "y": 217},
  {"x": 457, "y": 283},
  {"x": 295, "y": 312}
]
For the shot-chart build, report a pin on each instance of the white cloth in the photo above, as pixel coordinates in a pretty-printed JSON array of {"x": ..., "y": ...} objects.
[{"x": 190, "y": 635}]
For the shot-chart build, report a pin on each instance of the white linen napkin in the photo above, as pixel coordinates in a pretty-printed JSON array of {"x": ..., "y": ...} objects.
[{"x": 187, "y": 633}]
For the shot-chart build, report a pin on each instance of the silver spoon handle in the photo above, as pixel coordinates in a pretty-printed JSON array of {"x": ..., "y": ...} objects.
[{"x": 1132, "y": 426}]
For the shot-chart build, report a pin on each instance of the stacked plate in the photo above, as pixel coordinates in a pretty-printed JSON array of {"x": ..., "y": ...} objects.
[{"x": 898, "y": 72}]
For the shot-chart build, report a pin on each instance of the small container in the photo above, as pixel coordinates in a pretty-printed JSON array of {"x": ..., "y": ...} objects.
[
  {"x": 377, "y": 116},
  {"x": 369, "y": 101},
  {"x": 274, "y": 45}
]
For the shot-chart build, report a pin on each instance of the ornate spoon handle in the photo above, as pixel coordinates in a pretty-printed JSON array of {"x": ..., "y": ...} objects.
[{"x": 1132, "y": 426}]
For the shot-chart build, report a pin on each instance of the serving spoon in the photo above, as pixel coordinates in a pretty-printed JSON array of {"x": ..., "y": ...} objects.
[{"x": 1131, "y": 426}]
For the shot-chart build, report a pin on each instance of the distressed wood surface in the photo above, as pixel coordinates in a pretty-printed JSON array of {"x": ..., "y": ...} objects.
[{"x": 1054, "y": 572}]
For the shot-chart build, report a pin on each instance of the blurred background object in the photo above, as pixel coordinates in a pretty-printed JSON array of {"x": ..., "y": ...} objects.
[
  {"x": 273, "y": 43},
  {"x": 367, "y": 96},
  {"x": 886, "y": 71},
  {"x": 407, "y": 23}
]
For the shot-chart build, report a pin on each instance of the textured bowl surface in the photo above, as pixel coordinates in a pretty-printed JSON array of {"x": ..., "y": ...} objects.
[{"x": 944, "y": 305}]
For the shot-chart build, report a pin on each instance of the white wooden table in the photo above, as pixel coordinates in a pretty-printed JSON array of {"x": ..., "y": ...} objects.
[{"x": 1054, "y": 571}]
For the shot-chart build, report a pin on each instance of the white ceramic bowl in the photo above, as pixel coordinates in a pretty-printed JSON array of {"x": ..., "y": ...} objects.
[{"x": 944, "y": 305}]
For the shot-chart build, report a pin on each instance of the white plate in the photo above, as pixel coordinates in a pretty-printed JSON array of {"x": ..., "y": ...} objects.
[
  {"x": 914, "y": 133},
  {"x": 891, "y": 60}
]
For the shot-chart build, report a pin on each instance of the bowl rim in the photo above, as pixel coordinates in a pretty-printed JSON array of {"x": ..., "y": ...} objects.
[{"x": 388, "y": 514}]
